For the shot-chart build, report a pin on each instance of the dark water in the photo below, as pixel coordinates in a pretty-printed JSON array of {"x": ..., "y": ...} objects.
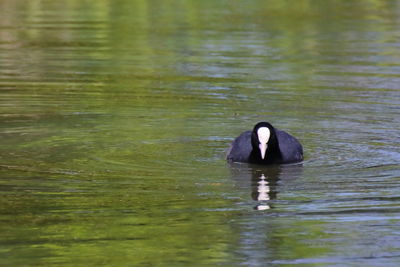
[{"x": 115, "y": 115}]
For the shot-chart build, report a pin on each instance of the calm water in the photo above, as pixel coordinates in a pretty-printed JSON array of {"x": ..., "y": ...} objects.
[{"x": 115, "y": 117}]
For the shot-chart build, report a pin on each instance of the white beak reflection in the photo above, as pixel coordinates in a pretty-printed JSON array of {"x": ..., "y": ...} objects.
[{"x": 263, "y": 190}]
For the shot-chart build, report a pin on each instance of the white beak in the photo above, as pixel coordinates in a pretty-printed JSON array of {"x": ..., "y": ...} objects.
[{"x": 263, "y": 148}]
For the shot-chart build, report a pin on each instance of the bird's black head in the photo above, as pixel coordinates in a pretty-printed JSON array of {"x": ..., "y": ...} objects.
[{"x": 264, "y": 143}]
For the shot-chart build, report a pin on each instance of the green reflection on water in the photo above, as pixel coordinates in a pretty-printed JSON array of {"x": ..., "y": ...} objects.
[{"x": 114, "y": 117}]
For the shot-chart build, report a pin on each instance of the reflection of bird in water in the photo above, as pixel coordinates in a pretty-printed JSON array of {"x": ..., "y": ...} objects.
[
  {"x": 262, "y": 193},
  {"x": 264, "y": 182},
  {"x": 263, "y": 187}
]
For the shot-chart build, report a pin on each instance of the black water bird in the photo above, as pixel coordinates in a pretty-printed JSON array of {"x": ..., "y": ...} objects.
[{"x": 265, "y": 145}]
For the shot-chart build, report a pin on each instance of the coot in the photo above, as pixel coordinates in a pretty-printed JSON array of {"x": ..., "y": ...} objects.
[{"x": 265, "y": 145}]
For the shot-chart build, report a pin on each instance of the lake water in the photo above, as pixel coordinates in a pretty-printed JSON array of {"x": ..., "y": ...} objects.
[{"x": 115, "y": 117}]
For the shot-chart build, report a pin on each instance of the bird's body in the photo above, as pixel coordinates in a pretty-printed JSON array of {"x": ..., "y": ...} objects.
[{"x": 265, "y": 145}]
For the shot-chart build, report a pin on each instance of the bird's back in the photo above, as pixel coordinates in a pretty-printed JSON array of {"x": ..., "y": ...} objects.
[
  {"x": 241, "y": 148},
  {"x": 290, "y": 147}
]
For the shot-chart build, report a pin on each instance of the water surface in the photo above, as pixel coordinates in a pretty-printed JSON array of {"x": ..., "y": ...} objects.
[{"x": 115, "y": 117}]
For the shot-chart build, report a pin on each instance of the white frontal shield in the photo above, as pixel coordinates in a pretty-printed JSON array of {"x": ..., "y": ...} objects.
[{"x": 263, "y": 136}]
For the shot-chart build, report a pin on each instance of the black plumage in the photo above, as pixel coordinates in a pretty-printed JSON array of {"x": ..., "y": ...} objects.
[{"x": 281, "y": 147}]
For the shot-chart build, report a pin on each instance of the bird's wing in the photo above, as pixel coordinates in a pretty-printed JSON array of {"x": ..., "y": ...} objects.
[
  {"x": 241, "y": 148},
  {"x": 290, "y": 147}
]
